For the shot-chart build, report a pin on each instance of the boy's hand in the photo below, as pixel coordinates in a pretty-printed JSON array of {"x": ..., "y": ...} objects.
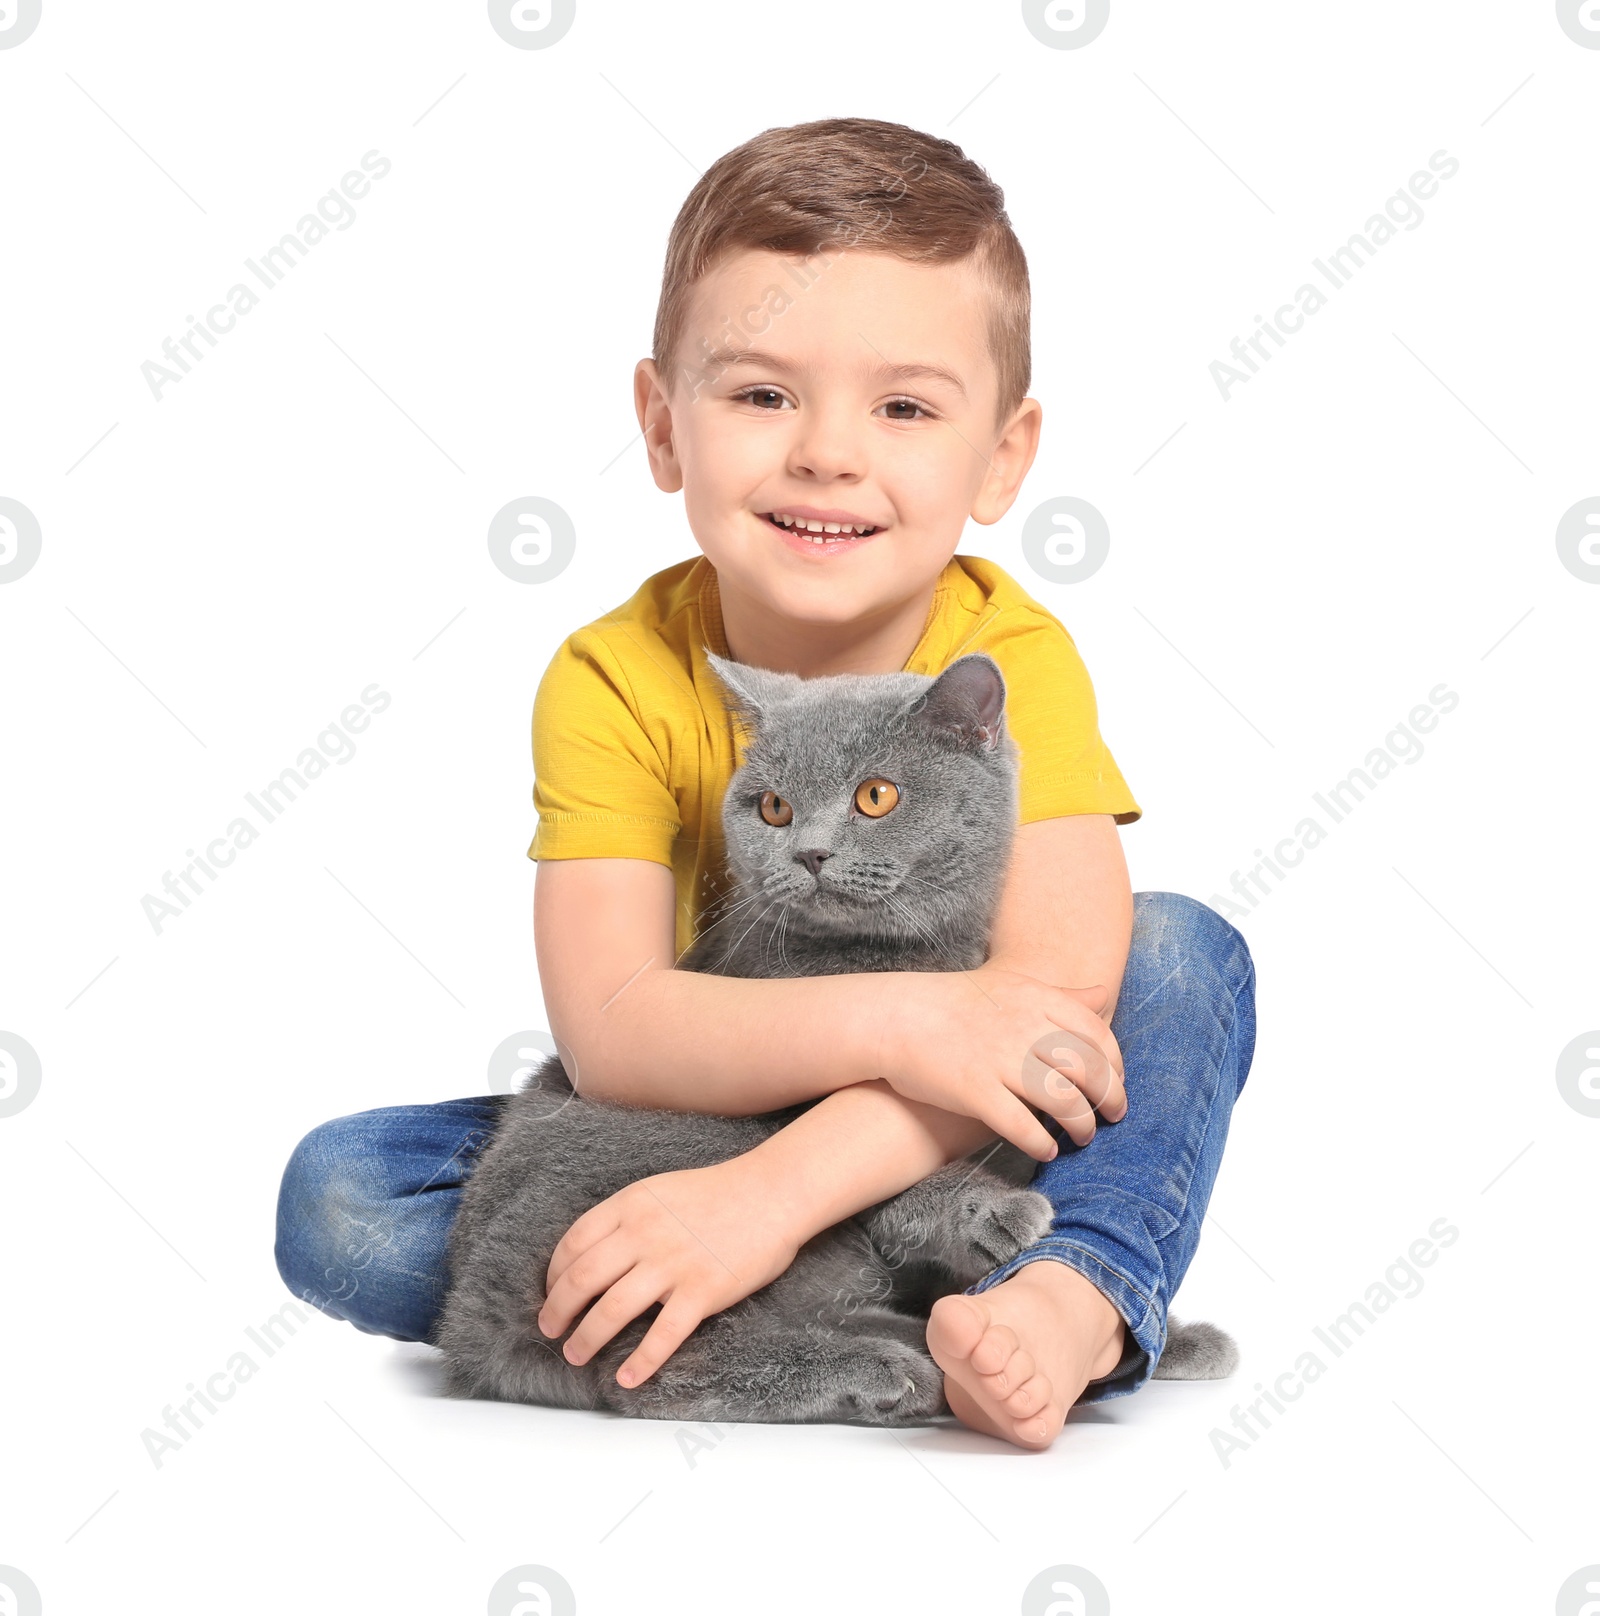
[
  {"x": 982, "y": 1042},
  {"x": 695, "y": 1241}
]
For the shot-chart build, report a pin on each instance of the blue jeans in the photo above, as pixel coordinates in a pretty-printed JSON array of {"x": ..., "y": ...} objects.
[{"x": 367, "y": 1200}]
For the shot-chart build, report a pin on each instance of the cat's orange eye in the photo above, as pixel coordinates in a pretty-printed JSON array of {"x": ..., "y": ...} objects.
[
  {"x": 774, "y": 809},
  {"x": 876, "y": 797}
]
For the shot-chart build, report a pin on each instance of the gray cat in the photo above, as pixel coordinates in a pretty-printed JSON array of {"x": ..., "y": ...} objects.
[{"x": 867, "y": 830}]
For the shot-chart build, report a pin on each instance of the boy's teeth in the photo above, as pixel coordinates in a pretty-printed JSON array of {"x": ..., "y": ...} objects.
[{"x": 821, "y": 532}]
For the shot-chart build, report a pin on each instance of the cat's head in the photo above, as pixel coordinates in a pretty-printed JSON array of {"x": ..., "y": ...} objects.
[{"x": 872, "y": 802}]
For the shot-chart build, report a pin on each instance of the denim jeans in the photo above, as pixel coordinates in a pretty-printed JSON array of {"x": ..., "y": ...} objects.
[{"x": 365, "y": 1208}]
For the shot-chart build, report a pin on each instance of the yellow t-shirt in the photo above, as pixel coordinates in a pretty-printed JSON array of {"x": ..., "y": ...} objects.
[{"x": 633, "y": 749}]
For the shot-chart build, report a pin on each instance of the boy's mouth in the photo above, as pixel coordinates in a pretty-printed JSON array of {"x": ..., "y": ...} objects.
[{"x": 815, "y": 535}]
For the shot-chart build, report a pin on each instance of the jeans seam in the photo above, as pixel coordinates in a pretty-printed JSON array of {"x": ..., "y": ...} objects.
[
  {"x": 1135, "y": 1009},
  {"x": 1227, "y": 1035},
  {"x": 1048, "y": 1247},
  {"x": 1246, "y": 979},
  {"x": 1042, "y": 1251}
]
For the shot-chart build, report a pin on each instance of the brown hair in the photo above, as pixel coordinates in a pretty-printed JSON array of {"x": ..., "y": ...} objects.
[{"x": 853, "y": 182}]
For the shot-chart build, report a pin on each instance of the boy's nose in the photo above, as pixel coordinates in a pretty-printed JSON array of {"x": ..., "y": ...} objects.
[
  {"x": 828, "y": 447},
  {"x": 812, "y": 858}
]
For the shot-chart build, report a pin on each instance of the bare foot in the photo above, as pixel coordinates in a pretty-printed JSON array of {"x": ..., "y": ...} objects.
[{"x": 1017, "y": 1357}]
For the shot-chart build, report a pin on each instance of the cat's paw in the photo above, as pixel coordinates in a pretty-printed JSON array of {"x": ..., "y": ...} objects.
[
  {"x": 1197, "y": 1351},
  {"x": 888, "y": 1382},
  {"x": 993, "y": 1223}
]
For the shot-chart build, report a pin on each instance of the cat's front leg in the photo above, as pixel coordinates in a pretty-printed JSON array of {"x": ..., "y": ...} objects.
[
  {"x": 962, "y": 1217},
  {"x": 759, "y": 1367}
]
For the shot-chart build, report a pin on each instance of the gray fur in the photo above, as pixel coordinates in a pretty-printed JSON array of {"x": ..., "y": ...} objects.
[
  {"x": 1197, "y": 1351},
  {"x": 839, "y": 1336}
]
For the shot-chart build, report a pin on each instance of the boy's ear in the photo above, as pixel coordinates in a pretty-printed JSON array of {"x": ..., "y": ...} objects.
[
  {"x": 965, "y": 702},
  {"x": 751, "y": 690},
  {"x": 1009, "y": 460},
  {"x": 653, "y": 405}
]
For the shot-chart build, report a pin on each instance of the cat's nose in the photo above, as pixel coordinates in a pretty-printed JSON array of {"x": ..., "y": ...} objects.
[{"x": 812, "y": 858}]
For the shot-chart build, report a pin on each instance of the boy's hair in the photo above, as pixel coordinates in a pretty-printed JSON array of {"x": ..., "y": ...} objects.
[{"x": 853, "y": 182}]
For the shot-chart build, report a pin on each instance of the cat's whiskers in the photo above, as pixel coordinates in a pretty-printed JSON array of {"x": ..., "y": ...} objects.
[
  {"x": 941, "y": 887},
  {"x": 776, "y": 915},
  {"x": 729, "y": 905},
  {"x": 904, "y": 910},
  {"x": 945, "y": 906},
  {"x": 728, "y": 914},
  {"x": 777, "y": 937},
  {"x": 751, "y": 927}
]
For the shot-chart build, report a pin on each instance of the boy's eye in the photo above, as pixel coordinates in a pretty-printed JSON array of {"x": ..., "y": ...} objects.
[
  {"x": 761, "y": 397},
  {"x": 876, "y": 797},
  {"x": 774, "y": 809},
  {"x": 769, "y": 398}
]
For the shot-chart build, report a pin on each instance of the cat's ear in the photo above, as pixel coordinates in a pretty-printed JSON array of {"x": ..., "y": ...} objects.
[
  {"x": 966, "y": 701},
  {"x": 751, "y": 691}
]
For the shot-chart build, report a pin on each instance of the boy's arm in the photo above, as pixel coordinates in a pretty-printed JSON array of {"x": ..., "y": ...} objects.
[
  {"x": 1066, "y": 917},
  {"x": 1066, "y": 910},
  {"x": 633, "y": 1030}
]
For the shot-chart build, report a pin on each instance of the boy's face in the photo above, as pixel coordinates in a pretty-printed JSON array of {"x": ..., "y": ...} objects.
[{"x": 867, "y": 396}]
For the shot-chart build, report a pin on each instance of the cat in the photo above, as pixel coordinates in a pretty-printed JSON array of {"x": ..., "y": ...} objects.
[{"x": 867, "y": 829}]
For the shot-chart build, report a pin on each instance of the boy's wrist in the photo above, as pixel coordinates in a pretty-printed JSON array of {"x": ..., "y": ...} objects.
[
  {"x": 853, "y": 1148},
  {"x": 897, "y": 1014},
  {"x": 765, "y": 1181}
]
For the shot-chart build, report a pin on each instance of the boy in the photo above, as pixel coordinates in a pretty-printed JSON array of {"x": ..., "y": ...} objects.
[{"x": 838, "y": 382}]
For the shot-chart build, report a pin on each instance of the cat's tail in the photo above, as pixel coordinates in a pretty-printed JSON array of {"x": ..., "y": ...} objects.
[{"x": 1197, "y": 1351}]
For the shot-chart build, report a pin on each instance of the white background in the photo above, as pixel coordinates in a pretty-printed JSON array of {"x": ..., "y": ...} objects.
[{"x": 1296, "y": 569}]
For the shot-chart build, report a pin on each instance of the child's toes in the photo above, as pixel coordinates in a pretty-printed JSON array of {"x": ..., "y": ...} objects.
[
  {"x": 1017, "y": 1371},
  {"x": 955, "y": 1326},
  {"x": 1029, "y": 1398},
  {"x": 996, "y": 1349},
  {"x": 1038, "y": 1430}
]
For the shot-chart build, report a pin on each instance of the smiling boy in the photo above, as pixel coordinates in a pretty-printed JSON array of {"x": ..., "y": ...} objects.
[{"x": 838, "y": 384}]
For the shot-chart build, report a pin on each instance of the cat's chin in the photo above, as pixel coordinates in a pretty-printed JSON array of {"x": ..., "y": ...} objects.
[
  {"x": 824, "y": 911},
  {"x": 826, "y": 907},
  {"x": 833, "y": 914}
]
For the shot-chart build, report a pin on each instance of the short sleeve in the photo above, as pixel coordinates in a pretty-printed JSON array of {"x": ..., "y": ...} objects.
[
  {"x": 599, "y": 783},
  {"x": 1051, "y": 713}
]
